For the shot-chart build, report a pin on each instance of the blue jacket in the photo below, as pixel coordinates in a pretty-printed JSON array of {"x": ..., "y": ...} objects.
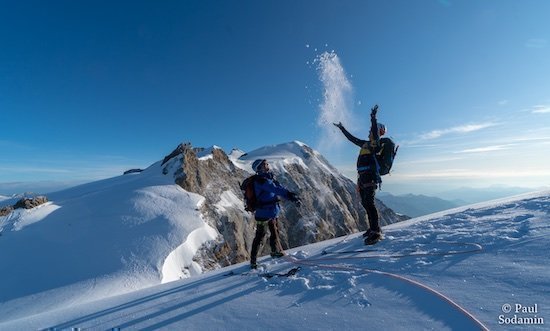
[{"x": 267, "y": 191}]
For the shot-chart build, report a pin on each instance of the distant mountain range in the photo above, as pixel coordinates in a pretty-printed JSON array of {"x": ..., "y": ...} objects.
[
  {"x": 414, "y": 205},
  {"x": 469, "y": 195}
]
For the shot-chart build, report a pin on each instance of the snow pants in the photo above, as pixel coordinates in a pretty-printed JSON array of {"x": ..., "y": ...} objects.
[
  {"x": 274, "y": 241},
  {"x": 367, "y": 190}
]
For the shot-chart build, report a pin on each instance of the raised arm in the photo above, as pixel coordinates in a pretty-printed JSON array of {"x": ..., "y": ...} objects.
[
  {"x": 352, "y": 138},
  {"x": 374, "y": 125}
]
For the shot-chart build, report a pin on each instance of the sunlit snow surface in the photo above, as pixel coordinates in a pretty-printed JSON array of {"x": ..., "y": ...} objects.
[{"x": 453, "y": 270}]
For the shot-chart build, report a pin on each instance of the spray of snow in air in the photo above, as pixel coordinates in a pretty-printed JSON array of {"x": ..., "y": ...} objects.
[{"x": 337, "y": 101}]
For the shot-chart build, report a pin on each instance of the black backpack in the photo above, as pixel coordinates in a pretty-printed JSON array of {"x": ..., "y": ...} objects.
[
  {"x": 247, "y": 187},
  {"x": 386, "y": 155}
]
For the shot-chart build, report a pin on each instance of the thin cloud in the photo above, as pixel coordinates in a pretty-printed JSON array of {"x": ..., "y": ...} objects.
[
  {"x": 543, "y": 140},
  {"x": 42, "y": 186},
  {"x": 24, "y": 169},
  {"x": 486, "y": 149},
  {"x": 470, "y": 174},
  {"x": 430, "y": 160},
  {"x": 540, "y": 109},
  {"x": 414, "y": 144},
  {"x": 536, "y": 43},
  {"x": 70, "y": 172},
  {"x": 457, "y": 129}
]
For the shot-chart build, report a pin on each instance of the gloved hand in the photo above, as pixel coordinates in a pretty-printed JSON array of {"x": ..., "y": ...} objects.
[
  {"x": 294, "y": 198},
  {"x": 373, "y": 111},
  {"x": 338, "y": 125}
]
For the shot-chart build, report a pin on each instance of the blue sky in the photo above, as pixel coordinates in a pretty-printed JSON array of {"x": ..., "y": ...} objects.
[{"x": 89, "y": 89}]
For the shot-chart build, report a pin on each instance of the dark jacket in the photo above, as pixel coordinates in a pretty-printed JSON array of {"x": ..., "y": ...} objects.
[
  {"x": 366, "y": 161},
  {"x": 267, "y": 191}
]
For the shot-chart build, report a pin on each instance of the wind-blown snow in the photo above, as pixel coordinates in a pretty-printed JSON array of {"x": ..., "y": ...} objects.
[
  {"x": 179, "y": 264},
  {"x": 458, "y": 270},
  {"x": 337, "y": 104}
]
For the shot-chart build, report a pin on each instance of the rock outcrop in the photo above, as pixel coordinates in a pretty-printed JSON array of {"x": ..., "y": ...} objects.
[
  {"x": 29, "y": 203},
  {"x": 6, "y": 210},
  {"x": 26, "y": 203}
]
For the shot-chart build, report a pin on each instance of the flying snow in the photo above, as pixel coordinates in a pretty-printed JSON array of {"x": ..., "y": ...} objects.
[{"x": 337, "y": 104}]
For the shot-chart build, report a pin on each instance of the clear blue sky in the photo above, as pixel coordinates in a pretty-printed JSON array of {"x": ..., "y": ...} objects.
[{"x": 91, "y": 88}]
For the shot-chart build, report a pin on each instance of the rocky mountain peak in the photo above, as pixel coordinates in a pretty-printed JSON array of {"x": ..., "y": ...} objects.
[{"x": 330, "y": 205}]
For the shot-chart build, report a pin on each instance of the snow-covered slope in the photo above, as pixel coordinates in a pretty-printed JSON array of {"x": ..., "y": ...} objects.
[
  {"x": 280, "y": 155},
  {"x": 470, "y": 268},
  {"x": 173, "y": 220},
  {"x": 99, "y": 239}
]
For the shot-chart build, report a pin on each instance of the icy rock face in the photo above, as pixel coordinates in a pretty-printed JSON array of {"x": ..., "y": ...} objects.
[
  {"x": 330, "y": 204},
  {"x": 214, "y": 177}
]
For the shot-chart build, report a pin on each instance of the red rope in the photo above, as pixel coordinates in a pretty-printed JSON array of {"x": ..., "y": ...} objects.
[{"x": 308, "y": 262}]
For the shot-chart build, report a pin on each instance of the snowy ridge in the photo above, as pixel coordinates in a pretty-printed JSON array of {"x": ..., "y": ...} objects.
[
  {"x": 280, "y": 155},
  {"x": 116, "y": 235},
  {"x": 450, "y": 271},
  {"x": 206, "y": 153}
]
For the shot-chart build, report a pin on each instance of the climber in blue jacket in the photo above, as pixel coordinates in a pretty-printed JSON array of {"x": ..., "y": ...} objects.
[{"x": 267, "y": 191}]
